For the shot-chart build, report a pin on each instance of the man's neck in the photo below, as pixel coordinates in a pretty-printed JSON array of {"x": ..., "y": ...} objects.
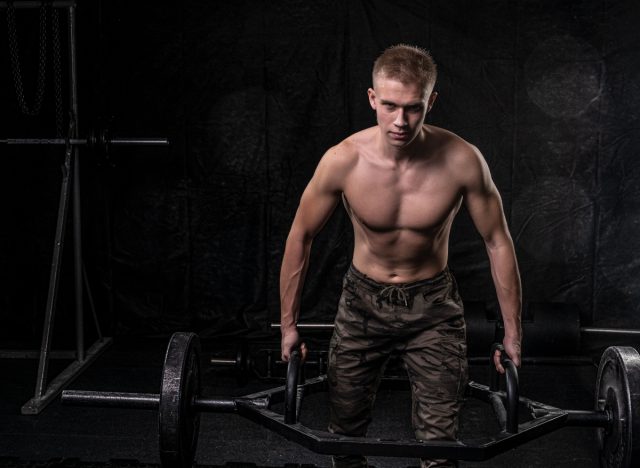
[{"x": 405, "y": 153}]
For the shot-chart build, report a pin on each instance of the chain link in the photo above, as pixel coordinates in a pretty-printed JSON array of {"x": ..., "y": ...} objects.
[
  {"x": 57, "y": 72},
  {"x": 15, "y": 60}
]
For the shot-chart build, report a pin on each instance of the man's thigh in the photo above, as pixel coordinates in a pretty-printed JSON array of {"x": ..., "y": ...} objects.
[{"x": 436, "y": 363}]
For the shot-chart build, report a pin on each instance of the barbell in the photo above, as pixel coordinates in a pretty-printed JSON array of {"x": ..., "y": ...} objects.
[
  {"x": 99, "y": 139},
  {"x": 179, "y": 403},
  {"x": 264, "y": 363},
  {"x": 549, "y": 329},
  {"x": 243, "y": 364},
  {"x": 481, "y": 323}
]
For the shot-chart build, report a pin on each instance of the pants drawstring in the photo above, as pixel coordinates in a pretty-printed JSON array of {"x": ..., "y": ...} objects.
[{"x": 394, "y": 293}]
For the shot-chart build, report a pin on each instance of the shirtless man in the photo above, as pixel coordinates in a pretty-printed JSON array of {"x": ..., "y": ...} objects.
[{"x": 402, "y": 183}]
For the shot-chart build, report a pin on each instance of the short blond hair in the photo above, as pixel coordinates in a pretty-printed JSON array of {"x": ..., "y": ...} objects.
[{"x": 407, "y": 64}]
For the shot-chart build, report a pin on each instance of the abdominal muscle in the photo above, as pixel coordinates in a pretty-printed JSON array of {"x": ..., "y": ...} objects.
[{"x": 400, "y": 255}]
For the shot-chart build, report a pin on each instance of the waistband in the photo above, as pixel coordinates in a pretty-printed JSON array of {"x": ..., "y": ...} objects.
[{"x": 377, "y": 286}]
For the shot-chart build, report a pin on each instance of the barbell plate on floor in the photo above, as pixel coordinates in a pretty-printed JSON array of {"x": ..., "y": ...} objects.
[
  {"x": 178, "y": 420},
  {"x": 618, "y": 392}
]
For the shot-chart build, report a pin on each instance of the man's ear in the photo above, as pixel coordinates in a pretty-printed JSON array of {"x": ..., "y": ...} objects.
[
  {"x": 372, "y": 98},
  {"x": 431, "y": 100}
]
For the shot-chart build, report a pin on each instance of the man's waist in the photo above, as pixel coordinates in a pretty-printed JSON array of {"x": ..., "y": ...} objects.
[{"x": 376, "y": 285}]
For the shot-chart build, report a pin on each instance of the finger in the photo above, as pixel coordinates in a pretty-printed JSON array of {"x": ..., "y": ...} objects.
[
  {"x": 303, "y": 351},
  {"x": 496, "y": 361}
]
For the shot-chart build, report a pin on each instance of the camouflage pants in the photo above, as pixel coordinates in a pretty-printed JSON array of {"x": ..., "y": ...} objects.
[{"x": 424, "y": 322}]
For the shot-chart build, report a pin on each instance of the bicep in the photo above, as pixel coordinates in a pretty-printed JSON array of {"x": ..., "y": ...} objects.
[
  {"x": 487, "y": 214},
  {"x": 319, "y": 199},
  {"x": 316, "y": 206}
]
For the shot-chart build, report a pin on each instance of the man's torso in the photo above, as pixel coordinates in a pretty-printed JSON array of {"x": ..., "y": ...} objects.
[{"x": 402, "y": 213}]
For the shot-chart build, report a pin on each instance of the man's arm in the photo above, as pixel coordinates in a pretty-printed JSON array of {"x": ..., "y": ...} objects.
[
  {"x": 316, "y": 205},
  {"x": 485, "y": 207}
]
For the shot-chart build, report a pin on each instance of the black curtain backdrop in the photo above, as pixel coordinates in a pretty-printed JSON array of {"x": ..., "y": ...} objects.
[{"x": 251, "y": 94}]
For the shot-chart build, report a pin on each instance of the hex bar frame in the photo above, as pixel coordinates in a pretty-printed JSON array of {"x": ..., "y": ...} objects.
[
  {"x": 327, "y": 443},
  {"x": 257, "y": 407}
]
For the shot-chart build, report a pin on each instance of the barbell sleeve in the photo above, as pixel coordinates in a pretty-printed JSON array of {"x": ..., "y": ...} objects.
[
  {"x": 583, "y": 418},
  {"x": 222, "y": 362},
  {"x": 111, "y": 399},
  {"x": 151, "y": 401}
]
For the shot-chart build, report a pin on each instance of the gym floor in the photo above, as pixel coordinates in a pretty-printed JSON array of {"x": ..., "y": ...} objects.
[{"x": 63, "y": 436}]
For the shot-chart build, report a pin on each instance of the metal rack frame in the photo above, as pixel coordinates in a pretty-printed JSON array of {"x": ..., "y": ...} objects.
[{"x": 45, "y": 391}]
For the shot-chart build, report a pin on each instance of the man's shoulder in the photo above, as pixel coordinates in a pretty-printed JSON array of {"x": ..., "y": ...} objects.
[
  {"x": 347, "y": 152},
  {"x": 463, "y": 160},
  {"x": 450, "y": 140},
  {"x": 456, "y": 149}
]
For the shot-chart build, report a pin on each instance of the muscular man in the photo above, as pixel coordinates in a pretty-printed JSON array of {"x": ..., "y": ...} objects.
[{"x": 402, "y": 183}]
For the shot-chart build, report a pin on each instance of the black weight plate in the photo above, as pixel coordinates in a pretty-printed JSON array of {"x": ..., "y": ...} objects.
[
  {"x": 551, "y": 329},
  {"x": 618, "y": 392},
  {"x": 242, "y": 363},
  {"x": 481, "y": 328},
  {"x": 179, "y": 423}
]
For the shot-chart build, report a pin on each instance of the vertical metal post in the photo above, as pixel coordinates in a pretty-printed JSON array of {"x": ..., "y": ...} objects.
[
  {"x": 77, "y": 220},
  {"x": 54, "y": 279}
]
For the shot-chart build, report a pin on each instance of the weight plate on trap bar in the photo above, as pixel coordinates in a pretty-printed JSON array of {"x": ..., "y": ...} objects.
[
  {"x": 179, "y": 422},
  {"x": 618, "y": 392},
  {"x": 242, "y": 363}
]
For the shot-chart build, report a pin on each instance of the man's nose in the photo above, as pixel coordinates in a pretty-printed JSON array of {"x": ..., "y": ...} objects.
[{"x": 401, "y": 118}]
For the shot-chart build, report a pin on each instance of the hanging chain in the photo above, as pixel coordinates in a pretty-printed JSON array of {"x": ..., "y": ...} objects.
[
  {"x": 57, "y": 72},
  {"x": 15, "y": 60}
]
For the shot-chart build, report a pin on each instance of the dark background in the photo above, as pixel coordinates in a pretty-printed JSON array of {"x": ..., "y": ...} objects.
[{"x": 252, "y": 93}]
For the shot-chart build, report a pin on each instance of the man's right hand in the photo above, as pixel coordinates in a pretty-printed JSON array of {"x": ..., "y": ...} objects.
[
  {"x": 512, "y": 347},
  {"x": 291, "y": 340}
]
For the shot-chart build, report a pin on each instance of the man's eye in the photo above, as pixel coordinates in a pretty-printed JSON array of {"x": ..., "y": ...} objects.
[
  {"x": 415, "y": 109},
  {"x": 389, "y": 106}
]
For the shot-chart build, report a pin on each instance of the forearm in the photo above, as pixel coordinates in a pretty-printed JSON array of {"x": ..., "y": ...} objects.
[
  {"x": 506, "y": 278},
  {"x": 292, "y": 275}
]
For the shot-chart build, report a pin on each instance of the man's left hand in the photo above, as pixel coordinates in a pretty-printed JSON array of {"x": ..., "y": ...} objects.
[{"x": 512, "y": 347}]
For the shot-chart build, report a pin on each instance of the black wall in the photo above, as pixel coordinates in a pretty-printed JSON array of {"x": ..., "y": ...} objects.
[{"x": 252, "y": 93}]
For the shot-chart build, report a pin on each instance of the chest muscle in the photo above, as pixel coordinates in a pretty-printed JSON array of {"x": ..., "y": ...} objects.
[{"x": 386, "y": 202}]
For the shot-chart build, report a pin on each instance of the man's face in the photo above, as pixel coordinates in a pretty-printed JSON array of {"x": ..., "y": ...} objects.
[{"x": 400, "y": 109}]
